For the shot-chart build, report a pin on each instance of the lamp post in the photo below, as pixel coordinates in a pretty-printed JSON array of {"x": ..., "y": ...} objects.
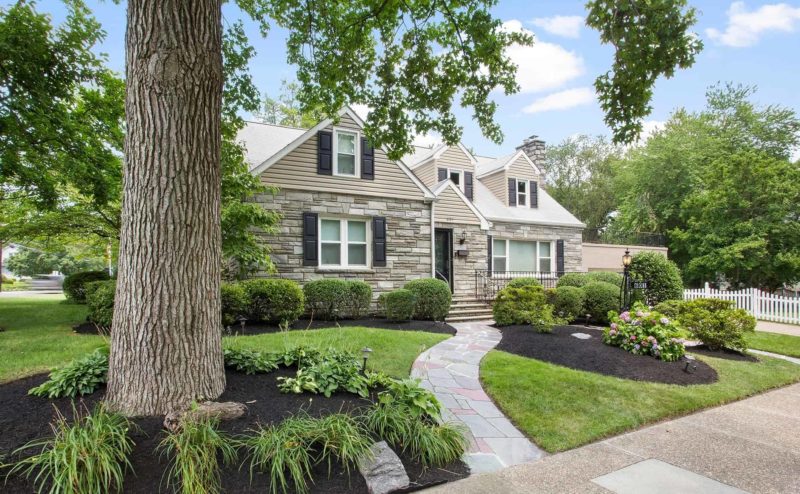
[
  {"x": 625, "y": 290},
  {"x": 365, "y": 353}
]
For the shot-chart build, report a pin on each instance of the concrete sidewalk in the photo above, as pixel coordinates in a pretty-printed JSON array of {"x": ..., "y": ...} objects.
[
  {"x": 778, "y": 327},
  {"x": 751, "y": 446}
]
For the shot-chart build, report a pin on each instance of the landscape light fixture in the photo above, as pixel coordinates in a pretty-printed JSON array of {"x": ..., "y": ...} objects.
[
  {"x": 365, "y": 353},
  {"x": 242, "y": 320},
  {"x": 625, "y": 289}
]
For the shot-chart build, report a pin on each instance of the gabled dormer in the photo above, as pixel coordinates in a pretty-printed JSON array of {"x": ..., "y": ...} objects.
[
  {"x": 442, "y": 162},
  {"x": 514, "y": 179}
]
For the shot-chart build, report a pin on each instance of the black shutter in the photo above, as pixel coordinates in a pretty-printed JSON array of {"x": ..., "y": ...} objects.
[
  {"x": 560, "y": 256},
  {"x": 367, "y": 160},
  {"x": 489, "y": 252},
  {"x": 512, "y": 192},
  {"x": 310, "y": 239},
  {"x": 468, "y": 185},
  {"x": 534, "y": 188},
  {"x": 378, "y": 241},
  {"x": 324, "y": 153},
  {"x": 442, "y": 174}
]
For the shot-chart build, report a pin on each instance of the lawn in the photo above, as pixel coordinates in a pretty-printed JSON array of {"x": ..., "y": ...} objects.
[
  {"x": 775, "y": 343},
  {"x": 561, "y": 408},
  {"x": 38, "y": 337}
]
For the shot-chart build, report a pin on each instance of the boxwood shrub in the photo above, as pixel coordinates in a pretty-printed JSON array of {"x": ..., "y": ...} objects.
[
  {"x": 717, "y": 323},
  {"x": 600, "y": 298},
  {"x": 234, "y": 302},
  {"x": 433, "y": 298},
  {"x": 100, "y": 301},
  {"x": 274, "y": 300},
  {"x": 74, "y": 284},
  {"x": 604, "y": 276},
  {"x": 334, "y": 298},
  {"x": 360, "y": 298},
  {"x": 524, "y": 305},
  {"x": 399, "y": 304},
  {"x": 524, "y": 281},
  {"x": 567, "y": 302},
  {"x": 572, "y": 279},
  {"x": 662, "y": 275}
]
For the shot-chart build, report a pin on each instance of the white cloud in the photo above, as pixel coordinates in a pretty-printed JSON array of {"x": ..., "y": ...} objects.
[
  {"x": 568, "y": 26},
  {"x": 650, "y": 127},
  {"x": 562, "y": 100},
  {"x": 542, "y": 66},
  {"x": 427, "y": 140},
  {"x": 746, "y": 27}
]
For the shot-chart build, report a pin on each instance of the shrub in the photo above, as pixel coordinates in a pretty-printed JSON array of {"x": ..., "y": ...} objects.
[
  {"x": 334, "y": 298},
  {"x": 248, "y": 361},
  {"x": 572, "y": 279},
  {"x": 408, "y": 393},
  {"x": 88, "y": 456},
  {"x": 194, "y": 450},
  {"x": 670, "y": 308},
  {"x": 73, "y": 285},
  {"x": 567, "y": 302},
  {"x": 326, "y": 374},
  {"x": 717, "y": 324},
  {"x": 599, "y": 299},
  {"x": 80, "y": 377},
  {"x": 400, "y": 304},
  {"x": 274, "y": 300},
  {"x": 526, "y": 305},
  {"x": 604, "y": 276},
  {"x": 234, "y": 302},
  {"x": 524, "y": 281},
  {"x": 662, "y": 275},
  {"x": 645, "y": 332},
  {"x": 100, "y": 300},
  {"x": 360, "y": 298},
  {"x": 433, "y": 298}
]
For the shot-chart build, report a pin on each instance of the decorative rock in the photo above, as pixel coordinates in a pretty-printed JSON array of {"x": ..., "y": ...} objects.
[
  {"x": 581, "y": 336},
  {"x": 228, "y": 410},
  {"x": 383, "y": 471}
]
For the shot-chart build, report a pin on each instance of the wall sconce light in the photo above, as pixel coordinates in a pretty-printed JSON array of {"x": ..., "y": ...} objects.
[{"x": 463, "y": 237}]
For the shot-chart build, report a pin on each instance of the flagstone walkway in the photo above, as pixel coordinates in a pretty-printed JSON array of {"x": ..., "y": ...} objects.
[{"x": 450, "y": 369}]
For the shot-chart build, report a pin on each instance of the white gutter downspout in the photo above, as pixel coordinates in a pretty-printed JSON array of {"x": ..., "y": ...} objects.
[{"x": 433, "y": 240}]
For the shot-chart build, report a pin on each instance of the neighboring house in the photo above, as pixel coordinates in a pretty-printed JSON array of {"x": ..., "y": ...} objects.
[{"x": 349, "y": 211}]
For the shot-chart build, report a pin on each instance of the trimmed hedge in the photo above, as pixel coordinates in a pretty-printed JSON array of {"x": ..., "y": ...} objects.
[
  {"x": 524, "y": 281},
  {"x": 433, "y": 298},
  {"x": 582, "y": 279},
  {"x": 662, "y": 275},
  {"x": 524, "y": 305},
  {"x": 399, "y": 304},
  {"x": 100, "y": 300},
  {"x": 234, "y": 302},
  {"x": 74, "y": 284},
  {"x": 274, "y": 300},
  {"x": 717, "y": 323},
  {"x": 600, "y": 298},
  {"x": 572, "y": 279},
  {"x": 567, "y": 302},
  {"x": 334, "y": 298}
]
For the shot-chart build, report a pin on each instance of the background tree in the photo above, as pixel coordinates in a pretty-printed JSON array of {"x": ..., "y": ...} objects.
[
  {"x": 32, "y": 261},
  {"x": 287, "y": 109},
  {"x": 580, "y": 177}
]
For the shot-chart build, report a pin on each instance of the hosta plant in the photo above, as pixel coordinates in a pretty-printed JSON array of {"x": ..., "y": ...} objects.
[
  {"x": 80, "y": 377},
  {"x": 642, "y": 331}
]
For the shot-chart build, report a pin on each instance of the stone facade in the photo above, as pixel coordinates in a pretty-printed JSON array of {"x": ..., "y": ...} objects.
[
  {"x": 571, "y": 236},
  {"x": 408, "y": 232},
  {"x": 464, "y": 267}
]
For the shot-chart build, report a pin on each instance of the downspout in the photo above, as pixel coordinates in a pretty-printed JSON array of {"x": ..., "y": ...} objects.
[{"x": 433, "y": 240}]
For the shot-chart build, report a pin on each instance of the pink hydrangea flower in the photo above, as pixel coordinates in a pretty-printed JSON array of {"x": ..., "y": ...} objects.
[
  {"x": 625, "y": 316},
  {"x": 613, "y": 325},
  {"x": 664, "y": 321},
  {"x": 639, "y": 313},
  {"x": 633, "y": 337}
]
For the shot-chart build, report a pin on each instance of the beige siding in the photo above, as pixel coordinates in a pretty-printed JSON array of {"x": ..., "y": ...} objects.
[
  {"x": 498, "y": 184},
  {"x": 454, "y": 157},
  {"x": 298, "y": 170},
  {"x": 521, "y": 169},
  {"x": 451, "y": 209},
  {"x": 427, "y": 174}
]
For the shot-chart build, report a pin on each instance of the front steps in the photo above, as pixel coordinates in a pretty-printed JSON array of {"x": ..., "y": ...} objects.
[{"x": 466, "y": 308}]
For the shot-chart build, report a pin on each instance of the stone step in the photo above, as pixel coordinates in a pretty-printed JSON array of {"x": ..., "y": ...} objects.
[
  {"x": 478, "y": 312},
  {"x": 459, "y": 318},
  {"x": 470, "y": 305}
]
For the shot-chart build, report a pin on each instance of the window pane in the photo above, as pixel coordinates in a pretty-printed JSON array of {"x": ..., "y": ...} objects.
[
  {"x": 357, "y": 254},
  {"x": 544, "y": 249},
  {"x": 330, "y": 230},
  {"x": 544, "y": 265},
  {"x": 522, "y": 186},
  {"x": 455, "y": 177},
  {"x": 522, "y": 200},
  {"x": 499, "y": 264},
  {"x": 347, "y": 143},
  {"x": 499, "y": 248},
  {"x": 346, "y": 164},
  {"x": 356, "y": 231},
  {"x": 522, "y": 256},
  {"x": 331, "y": 254}
]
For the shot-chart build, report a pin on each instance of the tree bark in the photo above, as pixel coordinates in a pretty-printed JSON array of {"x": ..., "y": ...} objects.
[{"x": 166, "y": 348}]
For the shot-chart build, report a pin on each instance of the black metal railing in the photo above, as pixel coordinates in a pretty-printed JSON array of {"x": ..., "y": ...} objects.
[{"x": 488, "y": 283}]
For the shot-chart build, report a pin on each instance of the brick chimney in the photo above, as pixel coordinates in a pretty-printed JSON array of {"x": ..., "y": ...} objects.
[{"x": 535, "y": 150}]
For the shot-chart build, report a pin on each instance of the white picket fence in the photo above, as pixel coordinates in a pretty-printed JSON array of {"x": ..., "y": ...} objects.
[{"x": 762, "y": 305}]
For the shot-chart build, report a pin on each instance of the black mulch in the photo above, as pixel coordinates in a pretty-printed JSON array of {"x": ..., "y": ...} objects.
[
  {"x": 593, "y": 355},
  {"x": 723, "y": 353},
  {"x": 374, "y": 322},
  {"x": 24, "y": 418}
]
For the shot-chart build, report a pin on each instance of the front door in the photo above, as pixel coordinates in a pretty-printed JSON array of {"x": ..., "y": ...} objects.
[{"x": 443, "y": 249}]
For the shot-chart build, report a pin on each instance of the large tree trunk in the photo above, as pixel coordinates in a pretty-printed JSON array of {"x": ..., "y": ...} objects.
[{"x": 166, "y": 348}]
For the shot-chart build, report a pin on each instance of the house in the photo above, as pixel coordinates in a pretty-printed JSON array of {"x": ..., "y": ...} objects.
[{"x": 351, "y": 212}]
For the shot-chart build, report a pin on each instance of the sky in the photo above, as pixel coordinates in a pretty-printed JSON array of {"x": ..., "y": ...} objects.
[{"x": 746, "y": 42}]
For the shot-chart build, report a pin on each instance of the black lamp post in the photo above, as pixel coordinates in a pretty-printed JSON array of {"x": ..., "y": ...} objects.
[
  {"x": 625, "y": 290},
  {"x": 365, "y": 353}
]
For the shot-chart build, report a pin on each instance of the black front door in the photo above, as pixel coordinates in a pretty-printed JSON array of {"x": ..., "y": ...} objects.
[{"x": 443, "y": 249}]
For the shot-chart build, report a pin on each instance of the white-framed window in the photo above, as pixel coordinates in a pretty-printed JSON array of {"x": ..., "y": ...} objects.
[
  {"x": 522, "y": 255},
  {"x": 456, "y": 176},
  {"x": 522, "y": 193},
  {"x": 343, "y": 242},
  {"x": 346, "y": 152}
]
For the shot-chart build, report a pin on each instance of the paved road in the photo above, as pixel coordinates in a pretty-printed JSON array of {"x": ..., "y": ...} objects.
[{"x": 749, "y": 446}]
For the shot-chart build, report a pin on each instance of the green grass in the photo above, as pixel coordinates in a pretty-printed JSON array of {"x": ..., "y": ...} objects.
[
  {"x": 561, "y": 408},
  {"x": 38, "y": 335},
  {"x": 393, "y": 352},
  {"x": 775, "y": 343}
]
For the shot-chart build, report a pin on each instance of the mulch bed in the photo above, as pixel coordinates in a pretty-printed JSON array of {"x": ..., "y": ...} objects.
[
  {"x": 24, "y": 418},
  {"x": 374, "y": 322},
  {"x": 593, "y": 355},
  {"x": 722, "y": 353}
]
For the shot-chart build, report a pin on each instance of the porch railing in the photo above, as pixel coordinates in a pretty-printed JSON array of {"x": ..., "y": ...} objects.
[{"x": 488, "y": 283}]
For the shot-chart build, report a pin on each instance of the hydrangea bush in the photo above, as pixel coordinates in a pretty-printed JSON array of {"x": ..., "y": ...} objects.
[{"x": 642, "y": 331}]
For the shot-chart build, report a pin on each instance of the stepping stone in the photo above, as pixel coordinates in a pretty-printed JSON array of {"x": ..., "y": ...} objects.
[
  {"x": 384, "y": 472},
  {"x": 581, "y": 336},
  {"x": 658, "y": 477}
]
